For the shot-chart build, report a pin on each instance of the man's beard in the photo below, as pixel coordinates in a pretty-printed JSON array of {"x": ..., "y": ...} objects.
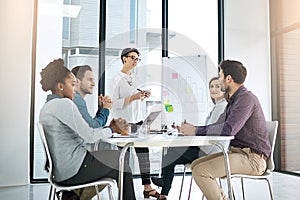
[
  {"x": 86, "y": 91},
  {"x": 226, "y": 88}
]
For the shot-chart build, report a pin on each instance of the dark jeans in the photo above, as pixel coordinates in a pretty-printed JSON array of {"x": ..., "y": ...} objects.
[
  {"x": 175, "y": 156},
  {"x": 144, "y": 164},
  {"x": 101, "y": 164}
]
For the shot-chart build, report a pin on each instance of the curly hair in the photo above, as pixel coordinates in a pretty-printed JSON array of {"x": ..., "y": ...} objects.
[{"x": 55, "y": 72}]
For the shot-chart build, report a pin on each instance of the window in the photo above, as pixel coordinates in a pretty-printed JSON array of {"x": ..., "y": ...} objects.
[
  {"x": 62, "y": 28},
  {"x": 70, "y": 29}
]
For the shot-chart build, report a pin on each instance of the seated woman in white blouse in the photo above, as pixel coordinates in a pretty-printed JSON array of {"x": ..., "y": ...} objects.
[{"x": 183, "y": 155}]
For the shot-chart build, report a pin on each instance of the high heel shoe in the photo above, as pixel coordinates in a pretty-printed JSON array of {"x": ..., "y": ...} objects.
[
  {"x": 164, "y": 198},
  {"x": 147, "y": 194}
]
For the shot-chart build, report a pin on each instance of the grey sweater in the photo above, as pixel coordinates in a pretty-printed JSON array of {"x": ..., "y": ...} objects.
[{"x": 67, "y": 134}]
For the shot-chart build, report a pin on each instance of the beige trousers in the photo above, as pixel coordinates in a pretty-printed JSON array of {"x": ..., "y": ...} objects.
[
  {"x": 88, "y": 193},
  {"x": 205, "y": 170}
]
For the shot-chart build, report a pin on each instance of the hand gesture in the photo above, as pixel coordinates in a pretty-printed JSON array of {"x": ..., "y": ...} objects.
[
  {"x": 147, "y": 93},
  {"x": 187, "y": 129},
  {"x": 138, "y": 96},
  {"x": 174, "y": 126},
  {"x": 105, "y": 101},
  {"x": 119, "y": 126}
]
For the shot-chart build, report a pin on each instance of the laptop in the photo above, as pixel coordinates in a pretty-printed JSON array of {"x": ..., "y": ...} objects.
[
  {"x": 147, "y": 122},
  {"x": 135, "y": 128}
]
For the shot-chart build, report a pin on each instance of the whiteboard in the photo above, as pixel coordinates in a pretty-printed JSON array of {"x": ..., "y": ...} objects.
[{"x": 185, "y": 89}]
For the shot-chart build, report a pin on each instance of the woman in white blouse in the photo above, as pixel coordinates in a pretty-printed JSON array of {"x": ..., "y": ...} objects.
[
  {"x": 183, "y": 155},
  {"x": 217, "y": 95},
  {"x": 124, "y": 89},
  {"x": 127, "y": 100}
]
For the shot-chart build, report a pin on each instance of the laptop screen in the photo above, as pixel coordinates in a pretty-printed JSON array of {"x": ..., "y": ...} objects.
[{"x": 150, "y": 118}]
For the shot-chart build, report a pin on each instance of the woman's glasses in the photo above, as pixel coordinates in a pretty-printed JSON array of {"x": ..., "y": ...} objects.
[{"x": 134, "y": 58}]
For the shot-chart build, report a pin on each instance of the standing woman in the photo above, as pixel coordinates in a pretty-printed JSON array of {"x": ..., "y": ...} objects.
[
  {"x": 68, "y": 134},
  {"x": 127, "y": 99}
]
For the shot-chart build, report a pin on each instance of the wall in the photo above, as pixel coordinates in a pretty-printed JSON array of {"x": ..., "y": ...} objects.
[
  {"x": 247, "y": 39},
  {"x": 285, "y": 35},
  {"x": 15, "y": 80}
]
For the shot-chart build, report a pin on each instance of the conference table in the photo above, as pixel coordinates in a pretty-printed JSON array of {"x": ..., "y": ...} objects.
[{"x": 164, "y": 140}]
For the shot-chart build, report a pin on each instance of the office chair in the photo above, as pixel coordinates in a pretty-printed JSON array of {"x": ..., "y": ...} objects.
[
  {"x": 186, "y": 166},
  {"x": 272, "y": 127},
  {"x": 56, "y": 187}
]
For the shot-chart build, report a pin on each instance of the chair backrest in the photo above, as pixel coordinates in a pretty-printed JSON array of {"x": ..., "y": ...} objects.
[
  {"x": 272, "y": 127},
  {"x": 45, "y": 144}
]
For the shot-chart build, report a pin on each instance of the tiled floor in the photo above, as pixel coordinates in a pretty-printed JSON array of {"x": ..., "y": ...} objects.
[{"x": 285, "y": 187}]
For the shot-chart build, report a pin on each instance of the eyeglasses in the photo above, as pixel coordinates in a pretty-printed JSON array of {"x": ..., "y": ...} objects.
[{"x": 134, "y": 58}]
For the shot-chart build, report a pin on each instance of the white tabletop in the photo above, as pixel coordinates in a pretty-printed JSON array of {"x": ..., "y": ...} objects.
[{"x": 162, "y": 140}]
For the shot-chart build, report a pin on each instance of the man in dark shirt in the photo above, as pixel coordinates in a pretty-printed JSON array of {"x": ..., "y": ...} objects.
[{"x": 243, "y": 118}]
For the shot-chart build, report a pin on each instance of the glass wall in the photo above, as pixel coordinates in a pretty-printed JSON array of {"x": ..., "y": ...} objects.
[
  {"x": 66, "y": 29},
  {"x": 136, "y": 25},
  {"x": 196, "y": 20},
  {"x": 70, "y": 29},
  {"x": 193, "y": 33}
]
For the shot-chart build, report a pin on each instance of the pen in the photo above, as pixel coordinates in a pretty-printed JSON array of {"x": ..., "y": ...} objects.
[
  {"x": 184, "y": 121},
  {"x": 140, "y": 90}
]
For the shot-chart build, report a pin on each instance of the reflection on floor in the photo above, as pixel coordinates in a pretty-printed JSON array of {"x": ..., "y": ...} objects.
[{"x": 284, "y": 187}]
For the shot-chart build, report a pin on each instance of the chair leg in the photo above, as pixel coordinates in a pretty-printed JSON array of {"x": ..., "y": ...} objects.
[
  {"x": 54, "y": 192},
  {"x": 97, "y": 192},
  {"x": 59, "y": 195},
  {"x": 220, "y": 182},
  {"x": 182, "y": 182},
  {"x": 50, "y": 193},
  {"x": 243, "y": 190},
  {"x": 270, "y": 189},
  {"x": 110, "y": 192},
  {"x": 190, "y": 188}
]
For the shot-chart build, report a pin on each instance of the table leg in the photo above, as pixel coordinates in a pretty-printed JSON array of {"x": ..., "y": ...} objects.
[
  {"x": 121, "y": 168},
  {"x": 227, "y": 168}
]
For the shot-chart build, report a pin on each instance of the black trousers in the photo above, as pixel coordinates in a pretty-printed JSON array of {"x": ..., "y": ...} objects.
[
  {"x": 175, "y": 156},
  {"x": 144, "y": 164},
  {"x": 101, "y": 164}
]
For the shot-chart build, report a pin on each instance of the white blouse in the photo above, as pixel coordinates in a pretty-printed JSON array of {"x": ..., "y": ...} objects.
[
  {"x": 216, "y": 111},
  {"x": 213, "y": 116},
  {"x": 121, "y": 86}
]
